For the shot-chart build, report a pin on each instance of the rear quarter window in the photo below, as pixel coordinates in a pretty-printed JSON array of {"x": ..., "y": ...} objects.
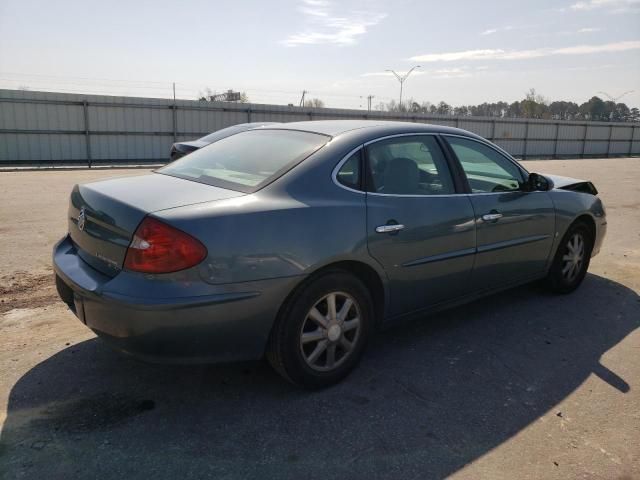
[{"x": 349, "y": 173}]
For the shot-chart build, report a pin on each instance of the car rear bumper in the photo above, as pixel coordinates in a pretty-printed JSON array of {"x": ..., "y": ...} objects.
[{"x": 230, "y": 323}]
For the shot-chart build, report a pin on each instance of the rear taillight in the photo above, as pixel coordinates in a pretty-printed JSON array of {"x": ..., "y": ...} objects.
[{"x": 159, "y": 248}]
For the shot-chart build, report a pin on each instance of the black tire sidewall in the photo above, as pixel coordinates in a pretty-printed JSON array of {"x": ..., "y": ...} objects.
[
  {"x": 291, "y": 357},
  {"x": 557, "y": 282}
]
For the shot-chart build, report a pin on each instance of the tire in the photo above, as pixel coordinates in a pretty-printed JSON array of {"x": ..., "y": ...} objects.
[
  {"x": 562, "y": 276},
  {"x": 313, "y": 348}
]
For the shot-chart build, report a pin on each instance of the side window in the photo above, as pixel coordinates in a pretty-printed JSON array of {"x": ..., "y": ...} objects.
[
  {"x": 349, "y": 173},
  {"x": 412, "y": 165},
  {"x": 486, "y": 170}
]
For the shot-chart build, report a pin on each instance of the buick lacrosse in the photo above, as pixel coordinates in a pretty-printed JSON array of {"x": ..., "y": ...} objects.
[{"x": 297, "y": 241}]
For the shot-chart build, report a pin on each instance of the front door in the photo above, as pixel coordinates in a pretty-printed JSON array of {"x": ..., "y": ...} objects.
[
  {"x": 419, "y": 228},
  {"x": 514, "y": 228}
]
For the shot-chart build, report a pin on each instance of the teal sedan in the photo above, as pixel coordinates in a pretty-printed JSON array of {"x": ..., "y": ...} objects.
[{"x": 297, "y": 241}]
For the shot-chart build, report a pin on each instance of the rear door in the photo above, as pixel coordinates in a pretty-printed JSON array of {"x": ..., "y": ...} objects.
[
  {"x": 420, "y": 228},
  {"x": 514, "y": 228}
]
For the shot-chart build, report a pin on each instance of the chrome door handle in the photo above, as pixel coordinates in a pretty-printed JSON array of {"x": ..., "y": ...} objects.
[
  {"x": 389, "y": 228},
  {"x": 491, "y": 217}
]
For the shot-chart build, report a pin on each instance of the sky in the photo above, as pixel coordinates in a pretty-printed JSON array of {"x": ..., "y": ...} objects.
[{"x": 469, "y": 52}]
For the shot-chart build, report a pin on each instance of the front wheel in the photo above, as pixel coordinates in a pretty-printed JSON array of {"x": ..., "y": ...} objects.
[
  {"x": 572, "y": 259},
  {"x": 322, "y": 331}
]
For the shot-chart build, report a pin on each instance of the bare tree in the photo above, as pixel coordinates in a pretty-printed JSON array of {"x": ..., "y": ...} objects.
[{"x": 314, "y": 103}]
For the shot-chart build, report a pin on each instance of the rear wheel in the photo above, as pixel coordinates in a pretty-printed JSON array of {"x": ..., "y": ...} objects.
[
  {"x": 572, "y": 259},
  {"x": 322, "y": 331}
]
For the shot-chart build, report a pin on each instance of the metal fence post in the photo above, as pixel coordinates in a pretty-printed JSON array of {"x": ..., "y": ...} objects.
[
  {"x": 493, "y": 130},
  {"x": 526, "y": 138},
  {"x": 87, "y": 139},
  {"x": 633, "y": 134},
  {"x": 174, "y": 111},
  {"x": 248, "y": 114},
  {"x": 609, "y": 143},
  {"x": 584, "y": 140},
  {"x": 555, "y": 143}
]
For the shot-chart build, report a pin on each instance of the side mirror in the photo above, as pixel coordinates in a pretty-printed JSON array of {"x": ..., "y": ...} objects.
[{"x": 536, "y": 182}]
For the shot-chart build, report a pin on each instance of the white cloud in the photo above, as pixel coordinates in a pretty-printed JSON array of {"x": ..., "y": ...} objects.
[
  {"x": 606, "y": 48},
  {"x": 615, "y": 6},
  {"x": 491, "y": 31},
  {"x": 315, "y": 12},
  {"x": 453, "y": 56},
  {"x": 589, "y": 30},
  {"x": 452, "y": 75},
  {"x": 458, "y": 72},
  {"x": 450, "y": 70},
  {"x": 325, "y": 28},
  {"x": 500, "y": 54},
  {"x": 389, "y": 74}
]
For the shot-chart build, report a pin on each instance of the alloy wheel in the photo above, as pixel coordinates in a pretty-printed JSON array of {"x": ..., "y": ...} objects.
[
  {"x": 573, "y": 258},
  {"x": 330, "y": 331}
]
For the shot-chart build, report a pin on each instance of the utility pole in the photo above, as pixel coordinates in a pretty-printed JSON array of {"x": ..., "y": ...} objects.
[
  {"x": 369, "y": 98},
  {"x": 401, "y": 79},
  {"x": 304, "y": 92},
  {"x": 174, "y": 92}
]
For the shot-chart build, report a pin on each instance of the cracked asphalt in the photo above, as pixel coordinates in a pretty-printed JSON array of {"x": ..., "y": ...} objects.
[{"x": 523, "y": 385}]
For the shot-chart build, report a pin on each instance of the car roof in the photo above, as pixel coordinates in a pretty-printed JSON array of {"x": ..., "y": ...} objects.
[
  {"x": 254, "y": 124},
  {"x": 337, "y": 127}
]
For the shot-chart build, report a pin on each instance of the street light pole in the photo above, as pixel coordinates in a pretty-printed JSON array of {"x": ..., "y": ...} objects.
[
  {"x": 615, "y": 99},
  {"x": 401, "y": 79}
]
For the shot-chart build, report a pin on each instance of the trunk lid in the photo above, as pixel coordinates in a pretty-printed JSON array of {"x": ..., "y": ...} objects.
[{"x": 104, "y": 215}]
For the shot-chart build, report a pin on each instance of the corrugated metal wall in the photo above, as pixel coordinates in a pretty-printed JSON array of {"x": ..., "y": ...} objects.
[{"x": 47, "y": 127}]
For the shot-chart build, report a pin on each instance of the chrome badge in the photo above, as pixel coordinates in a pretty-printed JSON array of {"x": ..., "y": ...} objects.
[{"x": 82, "y": 218}]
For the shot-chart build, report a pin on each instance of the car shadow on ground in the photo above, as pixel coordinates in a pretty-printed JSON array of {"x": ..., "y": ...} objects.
[{"x": 428, "y": 398}]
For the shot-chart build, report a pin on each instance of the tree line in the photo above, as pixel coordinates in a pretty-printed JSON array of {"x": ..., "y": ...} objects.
[
  {"x": 241, "y": 97},
  {"x": 532, "y": 106}
]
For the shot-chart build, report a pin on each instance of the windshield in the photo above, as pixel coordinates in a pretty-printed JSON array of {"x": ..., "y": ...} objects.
[{"x": 248, "y": 160}]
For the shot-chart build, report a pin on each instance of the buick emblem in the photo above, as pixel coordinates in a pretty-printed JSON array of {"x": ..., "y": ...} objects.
[{"x": 82, "y": 218}]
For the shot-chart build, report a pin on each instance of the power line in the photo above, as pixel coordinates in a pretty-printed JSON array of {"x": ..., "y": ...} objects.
[
  {"x": 22, "y": 77},
  {"x": 160, "y": 89}
]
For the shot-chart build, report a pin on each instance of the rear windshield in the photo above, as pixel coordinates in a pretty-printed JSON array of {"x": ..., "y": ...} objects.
[
  {"x": 225, "y": 132},
  {"x": 246, "y": 161}
]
